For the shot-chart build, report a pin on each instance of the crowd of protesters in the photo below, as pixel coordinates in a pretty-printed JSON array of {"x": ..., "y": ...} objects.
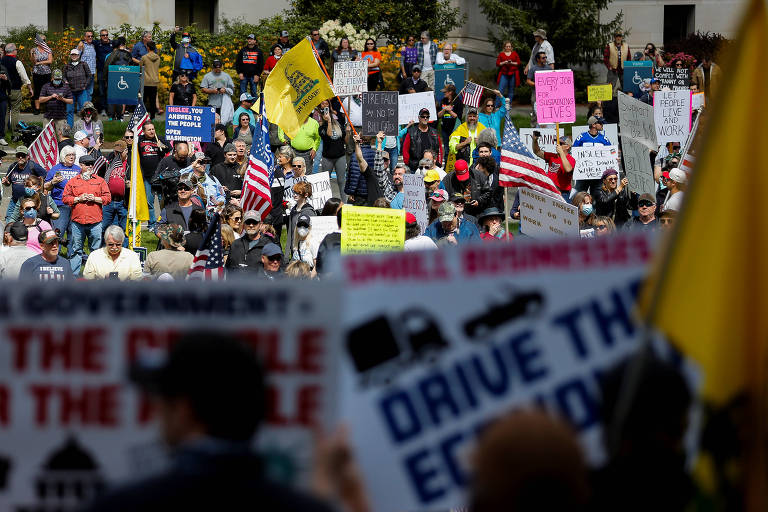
[{"x": 457, "y": 155}]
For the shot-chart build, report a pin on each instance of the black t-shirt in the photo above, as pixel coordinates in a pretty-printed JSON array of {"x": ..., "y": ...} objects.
[
  {"x": 228, "y": 175},
  {"x": 182, "y": 94},
  {"x": 150, "y": 155},
  {"x": 215, "y": 151},
  {"x": 332, "y": 148}
]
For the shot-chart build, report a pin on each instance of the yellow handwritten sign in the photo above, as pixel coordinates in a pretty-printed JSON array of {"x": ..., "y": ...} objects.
[
  {"x": 600, "y": 92},
  {"x": 365, "y": 229}
]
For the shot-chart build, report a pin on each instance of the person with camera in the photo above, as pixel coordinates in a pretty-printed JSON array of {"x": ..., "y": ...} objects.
[{"x": 652, "y": 54}]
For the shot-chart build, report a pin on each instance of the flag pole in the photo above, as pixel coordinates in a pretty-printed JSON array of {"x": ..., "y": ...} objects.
[
  {"x": 328, "y": 77},
  {"x": 506, "y": 212}
]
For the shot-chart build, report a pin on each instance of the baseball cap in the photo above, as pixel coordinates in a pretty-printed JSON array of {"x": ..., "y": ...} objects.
[
  {"x": 458, "y": 196},
  {"x": 251, "y": 215},
  {"x": 647, "y": 197},
  {"x": 653, "y": 80},
  {"x": 186, "y": 181},
  {"x": 185, "y": 39},
  {"x": 284, "y": 33},
  {"x": 678, "y": 175},
  {"x": 47, "y": 236},
  {"x": 75, "y": 51},
  {"x": 22, "y": 149},
  {"x": 540, "y": 32},
  {"x": 665, "y": 174},
  {"x": 172, "y": 234},
  {"x": 217, "y": 63},
  {"x": 424, "y": 111},
  {"x": 472, "y": 110},
  {"x": 439, "y": 195},
  {"x": 303, "y": 220},
  {"x": 57, "y": 74},
  {"x": 251, "y": 36},
  {"x": 87, "y": 160},
  {"x": 608, "y": 172},
  {"x": 270, "y": 250},
  {"x": 446, "y": 212},
  {"x": 416, "y": 68},
  {"x": 19, "y": 231},
  {"x": 228, "y": 148},
  {"x": 595, "y": 120},
  {"x": 80, "y": 135},
  {"x": 246, "y": 97},
  {"x": 432, "y": 175},
  {"x": 462, "y": 170},
  {"x": 410, "y": 218},
  {"x": 120, "y": 146}
]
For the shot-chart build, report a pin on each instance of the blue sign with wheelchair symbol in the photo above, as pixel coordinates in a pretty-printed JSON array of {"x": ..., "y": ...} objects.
[
  {"x": 635, "y": 71},
  {"x": 123, "y": 85}
]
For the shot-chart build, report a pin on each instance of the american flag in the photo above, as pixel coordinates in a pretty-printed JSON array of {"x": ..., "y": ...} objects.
[
  {"x": 45, "y": 149},
  {"x": 687, "y": 163},
  {"x": 257, "y": 183},
  {"x": 520, "y": 168},
  {"x": 208, "y": 264},
  {"x": 98, "y": 164},
  {"x": 139, "y": 117},
  {"x": 473, "y": 93}
]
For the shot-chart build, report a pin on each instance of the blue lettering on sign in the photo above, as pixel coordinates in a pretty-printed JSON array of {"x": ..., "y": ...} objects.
[{"x": 401, "y": 427}]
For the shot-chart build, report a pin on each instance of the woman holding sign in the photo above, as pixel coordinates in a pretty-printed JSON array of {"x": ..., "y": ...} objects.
[{"x": 614, "y": 200}]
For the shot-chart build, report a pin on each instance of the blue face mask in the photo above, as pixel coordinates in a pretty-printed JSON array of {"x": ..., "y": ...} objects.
[
  {"x": 29, "y": 192},
  {"x": 662, "y": 185},
  {"x": 586, "y": 209},
  {"x": 30, "y": 214}
]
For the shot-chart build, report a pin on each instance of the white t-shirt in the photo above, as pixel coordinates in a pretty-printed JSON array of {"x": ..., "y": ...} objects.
[
  {"x": 673, "y": 202},
  {"x": 427, "y": 59},
  {"x": 79, "y": 152},
  {"x": 420, "y": 243}
]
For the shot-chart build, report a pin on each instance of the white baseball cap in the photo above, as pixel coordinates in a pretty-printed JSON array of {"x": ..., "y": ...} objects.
[
  {"x": 75, "y": 51},
  {"x": 678, "y": 175},
  {"x": 80, "y": 135}
]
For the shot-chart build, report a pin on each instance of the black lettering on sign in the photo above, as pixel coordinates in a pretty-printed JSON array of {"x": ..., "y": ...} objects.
[{"x": 380, "y": 113}]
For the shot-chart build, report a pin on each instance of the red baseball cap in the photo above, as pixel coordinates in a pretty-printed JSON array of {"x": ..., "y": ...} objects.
[
  {"x": 462, "y": 170},
  {"x": 410, "y": 218}
]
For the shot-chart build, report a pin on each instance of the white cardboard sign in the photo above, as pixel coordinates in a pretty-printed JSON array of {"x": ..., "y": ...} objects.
[
  {"x": 546, "y": 217},
  {"x": 636, "y": 120},
  {"x": 592, "y": 161},
  {"x": 637, "y": 165},
  {"x": 672, "y": 114},
  {"x": 415, "y": 201},
  {"x": 350, "y": 78},
  {"x": 410, "y": 104}
]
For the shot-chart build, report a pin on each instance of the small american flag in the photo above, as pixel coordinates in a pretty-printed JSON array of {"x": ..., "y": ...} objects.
[
  {"x": 98, "y": 164},
  {"x": 45, "y": 149},
  {"x": 208, "y": 264},
  {"x": 520, "y": 168},
  {"x": 687, "y": 164},
  {"x": 472, "y": 94},
  {"x": 257, "y": 183},
  {"x": 139, "y": 117}
]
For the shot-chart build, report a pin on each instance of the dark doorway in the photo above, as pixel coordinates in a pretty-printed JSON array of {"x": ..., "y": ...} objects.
[
  {"x": 71, "y": 13},
  {"x": 679, "y": 22},
  {"x": 202, "y": 13}
]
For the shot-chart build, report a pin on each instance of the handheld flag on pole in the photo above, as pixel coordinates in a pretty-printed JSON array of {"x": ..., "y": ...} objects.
[
  {"x": 473, "y": 93},
  {"x": 208, "y": 264},
  {"x": 257, "y": 182},
  {"x": 44, "y": 151},
  {"x": 295, "y": 87},
  {"x": 138, "y": 208}
]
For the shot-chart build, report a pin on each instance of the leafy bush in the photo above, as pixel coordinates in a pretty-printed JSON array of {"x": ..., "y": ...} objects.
[{"x": 698, "y": 45}]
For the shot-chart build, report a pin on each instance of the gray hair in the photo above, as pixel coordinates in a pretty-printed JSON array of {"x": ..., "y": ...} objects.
[
  {"x": 425, "y": 34},
  {"x": 65, "y": 152},
  {"x": 299, "y": 159},
  {"x": 146, "y": 33},
  {"x": 401, "y": 166},
  {"x": 116, "y": 232},
  {"x": 287, "y": 152}
]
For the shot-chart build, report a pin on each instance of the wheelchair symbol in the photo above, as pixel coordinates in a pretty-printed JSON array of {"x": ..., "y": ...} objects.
[
  {"x": 122, "y": 84},
  {"x": 637, "y": 79}
]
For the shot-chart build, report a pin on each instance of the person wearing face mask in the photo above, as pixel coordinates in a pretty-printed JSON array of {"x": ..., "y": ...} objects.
[
  {"x": 86, "y": 194},
  {"x": 78, "y": 75},
  {"x": 583, "y": 201},
  {"x": 35, "y": 226},
  {"x": 90, "y": 124},
  {"x": 55, "y": 182},
  {"x": 301, "y": 247},
  {"x": 17, "y": 175},
  {"x": 56, "y": 95},
  {"x": 33, "y": 188}
]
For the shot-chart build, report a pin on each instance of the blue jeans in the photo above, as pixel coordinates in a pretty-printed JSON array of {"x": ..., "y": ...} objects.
[
  {"x": 392, "y": 158},
  {"x": 76, "y": 106},
  {"x": 507, "y": 86},
  {"x": 115, "y": 214},
  {"x": 151, "y": 203},
  {"x": 248, "y": 80},
  {"x": 9, "y": 211},
  {"x": 3, "y": 110},
  {"x": 79, "y": 233},
  {"x": 62, "y": 223},
  {"x": 318, "y": 159},
  {"x": 89, "y": 89}
]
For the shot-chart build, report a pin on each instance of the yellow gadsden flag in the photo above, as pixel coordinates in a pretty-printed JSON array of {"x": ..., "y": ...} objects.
[
  {"x": 138, "y": 208},
  {"x": 294, "y": 87}
]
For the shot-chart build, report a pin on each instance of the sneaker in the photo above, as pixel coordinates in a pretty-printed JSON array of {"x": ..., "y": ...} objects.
[{"x": 3, "y": 143}]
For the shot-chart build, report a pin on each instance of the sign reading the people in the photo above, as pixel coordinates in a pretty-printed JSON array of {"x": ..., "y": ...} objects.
[
  {"x": 672, "y": 113},
  {"x": 543, "y": 216},
  {"x": 193, "y": 124},
  {"x": 65, "y": 349},
  {"x": 537, "y": 325},
  {"x": 350, "y": 78},
  {"x": 673, "y": 78},
  {"x": 637, "y": 165},
  {"x": 365, "y": 229},
  {"x": 380, "y": 113},
  {"x": 636, "y": 120},
  {"x": 592, "y": 161},
  {"x": 414, "y": 200},
  {"x": 555, "y": 101}
]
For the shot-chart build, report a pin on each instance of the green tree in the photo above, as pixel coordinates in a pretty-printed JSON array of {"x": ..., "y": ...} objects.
[
  {"x": 574, "y": 27},
  {"x": 390, "y": 19}
]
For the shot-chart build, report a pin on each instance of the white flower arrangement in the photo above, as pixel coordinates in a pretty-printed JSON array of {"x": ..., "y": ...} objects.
[{"x": 332, "y": 31}]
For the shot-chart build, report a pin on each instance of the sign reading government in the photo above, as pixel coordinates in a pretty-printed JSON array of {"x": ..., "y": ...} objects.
[{"x": 294, "y": 88}]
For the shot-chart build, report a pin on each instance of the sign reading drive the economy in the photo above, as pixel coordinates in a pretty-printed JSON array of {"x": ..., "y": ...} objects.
[
  {"x": 194, "y": 124},
  {"x": 555, "y": 102}
]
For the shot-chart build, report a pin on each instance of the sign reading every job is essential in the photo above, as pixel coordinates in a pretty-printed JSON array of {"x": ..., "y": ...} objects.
[
  {"x": 592, "y": 161},
  {"x": 365, "y": 229},
  {"x": 546, "y": 217},
  {"x": 193, "y": 124},
  {"x": 350, "y": 78},
  {"x": 672, "y": 113},
  {"x": 599, "y": 92},
  {"x": 555, "y": 101},
  {"x": 380, "y": 113}
]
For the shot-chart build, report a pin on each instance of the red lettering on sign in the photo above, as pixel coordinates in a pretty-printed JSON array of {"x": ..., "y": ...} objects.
[
  {"x": 86, "y": 406},
  {"x": 20, "y": 339},
  {"x": 68, "y": 349},
  {"x": 5, "y": 406},
  {"x": 300, "y": 409},
  {"x": 144, "y": 338},
  {"x": 309, "y": 405},
  {"x": 310, "y": 358}
]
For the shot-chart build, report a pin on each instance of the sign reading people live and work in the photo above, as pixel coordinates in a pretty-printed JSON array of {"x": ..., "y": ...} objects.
[
  {"x": 592, "y": 161},
  {"x": 555, "y": 101},
  {"x": 350, "y": 78},
  {"x": 672, "y": 113},
  {"x": 537, "y": 324},
  {"x": 365, "y": 229},
  {"x": 543, "y": 216},
  {"x": 64, "y": 353},
  {"x": 193, "y": 124}
]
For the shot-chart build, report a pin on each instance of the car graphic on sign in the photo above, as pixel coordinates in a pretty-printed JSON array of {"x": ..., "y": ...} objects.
[{"x": 518, "y": 306}]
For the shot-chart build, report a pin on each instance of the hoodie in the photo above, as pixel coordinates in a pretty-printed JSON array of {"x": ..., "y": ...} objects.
[{"x": 151, "y": 63}]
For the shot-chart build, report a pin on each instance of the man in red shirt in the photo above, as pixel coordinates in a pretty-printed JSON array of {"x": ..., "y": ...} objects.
[
  {"x": 559, "y": 165},
  {"x": 86, "y": 194}
]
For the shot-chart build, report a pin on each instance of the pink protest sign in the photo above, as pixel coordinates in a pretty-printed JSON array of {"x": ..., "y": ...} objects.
[{"x": 555, "y": 102}]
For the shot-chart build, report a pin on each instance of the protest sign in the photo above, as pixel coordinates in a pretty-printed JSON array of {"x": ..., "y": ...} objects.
[
  {"x": 354, "y": 108},
  {"x": 321, "y": 226},
  {"x": 415, "y": 201},
  {"x": 555, "y": 101},
  {"x": 610, "y": 131},
  {"x": 350, "y": 78},
  {"x": 636, "y": 120},
  {"x": 600, "y": 92},
  {"x": 123, "y": 85},
  {"x": 635, "y": 71},
  {"x": 380, "y": 113},
  {"x": 321, "y": 189},
  {"x": 193, "y": 124},
  {"x": 546, "y": 217},
  {"x": 673, "y": 78},
  {"x": 546, "y": 141},
  {"x": 537, "y": 324},
  {"x": 410, "y": 104},
  {"x": 446, "y": 76},
  {"x": 698, "y": 101},
  {"x": 365, "y": 229},
  {"x": 65, "y": 349},
  {"x": 672, "y": 114},
  {"x": 592, "y": 161},
  {"x": 637, "y": 165}
]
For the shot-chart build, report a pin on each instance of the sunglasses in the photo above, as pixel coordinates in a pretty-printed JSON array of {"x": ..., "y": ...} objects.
[
  {"x": 644, "y": 204},
  {"x": 128, "y": 137},
  {"x": 275, "y": 258},
  {"x": 601, "y": 227},
  {"x": 250, "y": 222},
  {"x": 236, "y": 219},
  {"x": 423, "y": 168},
  {"x": 612, "y": 179},
  {"x": 26, "y": 209},
  {"x": 423, "y": 117},
  {"x": 298, "y": 165},
  {"x": 183, "y": 188}
]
